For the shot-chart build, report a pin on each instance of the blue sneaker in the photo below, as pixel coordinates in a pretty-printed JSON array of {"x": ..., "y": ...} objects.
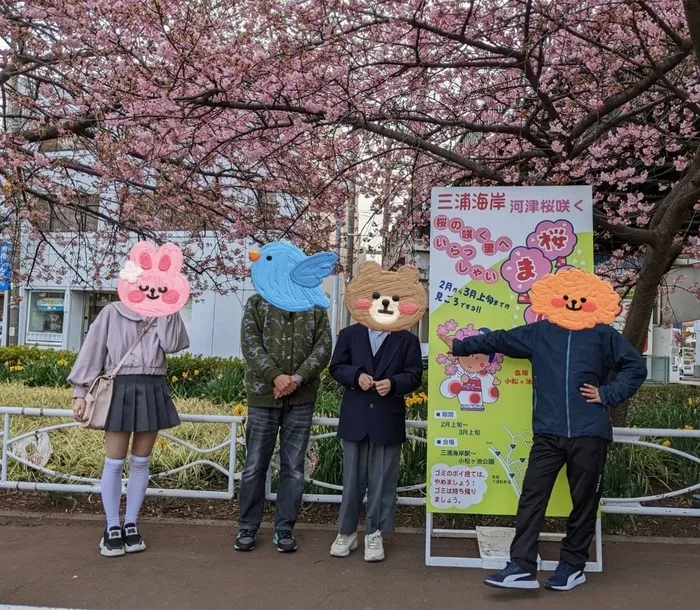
[
  {"x": 512, "y": 577},
  {"x": 565, "y": 578}
]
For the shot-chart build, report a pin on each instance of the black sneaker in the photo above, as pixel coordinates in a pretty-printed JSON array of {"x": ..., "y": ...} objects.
[
  {"x": 512, "y": 577},
  {"x": 565, "y": 578},
  {"x": 285, "y": 541},
  {"x": 133, "y": 542},
  {"x": 112, "y": 544},
  {"x": 245, "y": 540}
]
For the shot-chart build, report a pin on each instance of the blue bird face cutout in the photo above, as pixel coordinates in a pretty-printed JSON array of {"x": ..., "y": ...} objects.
[{"x": 288, "y": 279}]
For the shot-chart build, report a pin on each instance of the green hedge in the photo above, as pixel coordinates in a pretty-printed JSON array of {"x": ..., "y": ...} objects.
[
  {"x": 631, "y": 471},
  {"x": 221, "y": 381}
]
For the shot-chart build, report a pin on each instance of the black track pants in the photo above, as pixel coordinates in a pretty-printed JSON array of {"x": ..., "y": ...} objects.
[{"x": 584, "y": 458}]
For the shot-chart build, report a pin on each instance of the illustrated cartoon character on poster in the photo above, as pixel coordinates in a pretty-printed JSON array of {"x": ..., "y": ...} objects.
[
  {"x": 151, "y": 283},
  {"x": 472, "y": 378}
]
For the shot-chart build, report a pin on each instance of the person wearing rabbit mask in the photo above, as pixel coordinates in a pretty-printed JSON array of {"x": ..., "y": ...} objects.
[{"x": 129, "y": 340}]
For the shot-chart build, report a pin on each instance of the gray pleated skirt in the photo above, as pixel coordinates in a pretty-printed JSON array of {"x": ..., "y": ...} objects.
[{"x": 141, "y": 403}]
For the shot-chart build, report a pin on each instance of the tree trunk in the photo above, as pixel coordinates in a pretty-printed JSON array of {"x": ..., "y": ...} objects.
[{"x": 655, "y": 265}]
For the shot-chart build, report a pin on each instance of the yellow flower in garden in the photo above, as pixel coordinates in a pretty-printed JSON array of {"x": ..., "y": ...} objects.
[
  {"x": 185, "y": 375},
  {"x": 690, "y": 402},
  {"x": 162, "y": 443},
  {"x": 688, "y": 428},
  {"x": 239, "y": 410},
  {"x": 17, "y": 368},
  {"x": 174, "y": 379},
  {"x": 195, "y": 372},
  {"x": 62, "y": 362},
  {"x": 666, "y": 443}
]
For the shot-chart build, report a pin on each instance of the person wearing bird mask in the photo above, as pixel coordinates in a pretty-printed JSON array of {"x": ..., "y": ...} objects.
[{"x": 286, "y": 343}]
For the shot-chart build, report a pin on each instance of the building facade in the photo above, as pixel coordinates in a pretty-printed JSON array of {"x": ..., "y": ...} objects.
[{"x": 57, "y": 315}]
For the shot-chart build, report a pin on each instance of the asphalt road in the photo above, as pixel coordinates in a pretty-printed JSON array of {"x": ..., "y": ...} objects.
[{"x": 194, "y": 567}]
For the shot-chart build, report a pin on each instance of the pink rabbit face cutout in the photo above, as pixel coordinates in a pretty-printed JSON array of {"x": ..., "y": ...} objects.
[{"x": 151, "y": 283}]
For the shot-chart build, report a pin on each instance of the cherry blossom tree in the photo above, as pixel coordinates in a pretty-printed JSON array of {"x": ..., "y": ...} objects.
[{"x": 179, "y": 104}]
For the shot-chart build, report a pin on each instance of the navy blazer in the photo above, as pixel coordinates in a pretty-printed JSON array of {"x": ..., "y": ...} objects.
[{"x": 367, "y": 414}]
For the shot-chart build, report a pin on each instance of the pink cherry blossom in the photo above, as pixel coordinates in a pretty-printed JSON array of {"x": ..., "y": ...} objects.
[{"x": 262, "y": 119}]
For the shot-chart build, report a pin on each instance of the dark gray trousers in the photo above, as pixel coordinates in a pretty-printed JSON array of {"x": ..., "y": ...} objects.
[{"x": 371, "y": 469}]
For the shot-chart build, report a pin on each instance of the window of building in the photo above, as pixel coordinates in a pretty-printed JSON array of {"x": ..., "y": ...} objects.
[
  {"x": 82, "y": 216},
  {"x": 46, "y": 318},
  {"x": 95, "y": 302},
  {"x": 267, "y": 201},
  {"x": 168, "y": 217}
]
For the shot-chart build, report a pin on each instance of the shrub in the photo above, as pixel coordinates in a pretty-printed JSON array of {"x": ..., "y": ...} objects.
[{"x": 215, "y": 385}]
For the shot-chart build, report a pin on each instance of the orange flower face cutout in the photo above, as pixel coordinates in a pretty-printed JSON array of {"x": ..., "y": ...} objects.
[{"x": 575, "y": 299}]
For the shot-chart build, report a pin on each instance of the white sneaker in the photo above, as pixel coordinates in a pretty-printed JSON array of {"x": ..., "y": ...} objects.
[
  {"x": 344, "y": 543},
  {"x": 374, "y": 547}
]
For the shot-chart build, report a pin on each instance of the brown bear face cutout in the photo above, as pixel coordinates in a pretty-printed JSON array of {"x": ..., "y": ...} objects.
[{"x": 386, "y": 300}]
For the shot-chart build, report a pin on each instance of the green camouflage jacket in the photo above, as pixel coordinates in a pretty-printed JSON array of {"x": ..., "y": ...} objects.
[{"x": 278, "y": 342}]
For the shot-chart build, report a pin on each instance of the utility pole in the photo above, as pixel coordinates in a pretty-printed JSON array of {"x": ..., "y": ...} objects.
[
  {"x": 336, "y": 282},
  {"x": 14, "y": 292},
  {"x": 350, "y": 259},
  {"x": 13, "y": 295}
]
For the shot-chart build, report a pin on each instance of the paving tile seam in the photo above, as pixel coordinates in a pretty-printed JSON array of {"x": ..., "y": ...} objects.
[{"x": 18, "y": 515}]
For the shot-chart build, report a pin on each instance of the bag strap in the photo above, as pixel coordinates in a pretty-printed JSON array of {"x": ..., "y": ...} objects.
[{"x": 133, "y": 347}]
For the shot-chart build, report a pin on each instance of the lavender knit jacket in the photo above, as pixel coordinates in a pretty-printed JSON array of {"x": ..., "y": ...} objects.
[{"x": 109, "y": 338}]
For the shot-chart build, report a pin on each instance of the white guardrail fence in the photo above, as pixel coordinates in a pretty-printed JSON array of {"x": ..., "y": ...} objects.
[{"x": 15, "y": 449}]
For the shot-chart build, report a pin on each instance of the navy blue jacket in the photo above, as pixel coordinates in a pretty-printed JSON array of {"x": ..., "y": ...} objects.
[
  {"x": 562, "y": 361},
  {"x": 367, "y": 414}
]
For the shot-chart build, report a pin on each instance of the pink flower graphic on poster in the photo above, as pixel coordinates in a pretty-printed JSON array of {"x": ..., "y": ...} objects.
[
  {"x": 555, "y": 239},
  {"x": 531, "y": 316},
  {"x": 447, "y": 327},
  {"x": 524, "y": 267}
]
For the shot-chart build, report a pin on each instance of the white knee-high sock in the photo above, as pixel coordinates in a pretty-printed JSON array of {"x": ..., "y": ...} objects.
[
  {"x": 136, "y": 487},
  {"x": 112, "y": 490}
]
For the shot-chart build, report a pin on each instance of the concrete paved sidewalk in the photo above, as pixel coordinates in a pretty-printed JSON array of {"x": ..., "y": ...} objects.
[{"x": 194, "y": 567}]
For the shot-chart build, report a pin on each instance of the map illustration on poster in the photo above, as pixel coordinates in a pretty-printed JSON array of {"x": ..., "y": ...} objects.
[{"x": 488, "y": 247}]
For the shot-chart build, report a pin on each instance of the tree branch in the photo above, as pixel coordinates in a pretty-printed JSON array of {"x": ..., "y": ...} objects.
[{"x": 692, "y": 13}]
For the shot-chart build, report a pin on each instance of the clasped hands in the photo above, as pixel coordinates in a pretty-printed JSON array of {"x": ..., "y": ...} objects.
[
  {"x": 366, "y": 382},
  {"x": 284, "y": 386}
]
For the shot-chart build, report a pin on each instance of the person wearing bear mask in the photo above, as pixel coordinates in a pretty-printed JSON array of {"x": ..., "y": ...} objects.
[{"x": 377, "y": 361}]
